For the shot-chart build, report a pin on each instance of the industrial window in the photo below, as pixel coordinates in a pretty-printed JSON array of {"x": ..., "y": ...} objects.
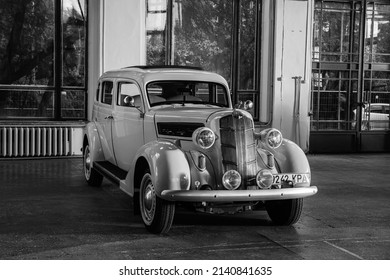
[
  {"x": 43, "y": 59},
  {"x": 351, "y": 64},
  {"x": 221, "y": 36}
]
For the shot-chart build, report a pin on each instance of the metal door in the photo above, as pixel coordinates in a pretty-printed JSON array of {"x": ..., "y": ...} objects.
[{"x": 351, "y": 76}]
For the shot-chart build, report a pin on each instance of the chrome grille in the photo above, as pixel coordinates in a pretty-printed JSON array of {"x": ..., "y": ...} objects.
[{"x": 239, "y": 147}]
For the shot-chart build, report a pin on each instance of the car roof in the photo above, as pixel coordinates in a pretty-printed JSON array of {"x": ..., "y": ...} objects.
[{"x": 146, "y": 74}]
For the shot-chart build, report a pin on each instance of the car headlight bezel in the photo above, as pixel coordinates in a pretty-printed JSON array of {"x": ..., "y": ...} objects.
[
  {"x": 272, "y": 138},
  {"x": 264, "y": 179},
  {"x": 204, "y": 137},
  {"x": 231, "y": 179}
]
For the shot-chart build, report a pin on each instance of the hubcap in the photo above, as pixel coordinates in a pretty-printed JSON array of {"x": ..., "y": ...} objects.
[
  {"x": 148, "y": 199},
  {"x": 87, "y": 163}
]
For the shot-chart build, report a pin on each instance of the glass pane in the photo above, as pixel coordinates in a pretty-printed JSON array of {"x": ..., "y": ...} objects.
[
  {"x": 242, "y": 97},
  {"x": 156, "y": 25},
  {"x": 74, "y": 41},
  {"x": 129, "y": 95},
  {"x": 188, "y": 93},
  {"x": 336, "y": 42},
  {"x": 375, "y": 116},
  {"x": 107, "y": 92},
  {"x": 336, "y": 6},
  {"x": 72, "y": 104},
  {"x": 202, "y": 34},
  {"x": 247, "y": 45},
  {"x": 27, "y": 42},
  {"x": 376, "y": 95},
  {"x": 381, "y": 31},
  {"x": 25, "y": 103},
  {"x": 356, "y": 32},
  {"x": 335, "y": 31},
  {"x": 316, "y": 34}
]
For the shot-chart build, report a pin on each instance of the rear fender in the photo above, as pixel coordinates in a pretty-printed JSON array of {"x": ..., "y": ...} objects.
[{"x": 168, "y": 166}]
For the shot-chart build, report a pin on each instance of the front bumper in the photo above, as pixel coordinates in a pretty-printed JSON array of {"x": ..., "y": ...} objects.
[{"x": 237, "y": 195}]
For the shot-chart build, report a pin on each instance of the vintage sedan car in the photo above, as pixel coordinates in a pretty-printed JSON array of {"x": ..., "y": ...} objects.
[
  {"x": 375, "y": 116},
  {"x": 170, "y": 135}
]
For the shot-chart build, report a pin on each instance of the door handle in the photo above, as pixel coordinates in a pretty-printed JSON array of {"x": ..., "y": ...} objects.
[
  {"x": 297, "y": 95},
  {"x": 109, "y": 118}
]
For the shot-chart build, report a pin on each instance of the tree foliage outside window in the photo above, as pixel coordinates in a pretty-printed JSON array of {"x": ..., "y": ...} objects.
[
  {"x": 202, "y": 33},
  {"x": 30, "y": 78},
  {"x": 27, "y": 42}
]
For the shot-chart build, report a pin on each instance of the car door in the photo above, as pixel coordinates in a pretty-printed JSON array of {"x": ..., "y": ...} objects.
[
  {"x": 127, "y": 123},
  {"x": 104, "y": 117}
]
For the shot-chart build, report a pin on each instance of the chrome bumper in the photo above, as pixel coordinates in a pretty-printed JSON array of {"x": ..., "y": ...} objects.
[{"x": 237, "y": 195}]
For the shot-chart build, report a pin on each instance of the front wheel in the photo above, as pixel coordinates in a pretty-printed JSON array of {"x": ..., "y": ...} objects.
[
  {"x": 92, "y": 177},
  {"x": 284, "y": 212},
  {"x": 157, "y": 214}
]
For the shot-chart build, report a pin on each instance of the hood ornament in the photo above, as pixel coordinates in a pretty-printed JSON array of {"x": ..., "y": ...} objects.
[{"x": 247, "y": 105}]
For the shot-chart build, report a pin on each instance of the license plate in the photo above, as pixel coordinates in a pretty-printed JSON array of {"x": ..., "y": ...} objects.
[{"x": 279, "y": 179}]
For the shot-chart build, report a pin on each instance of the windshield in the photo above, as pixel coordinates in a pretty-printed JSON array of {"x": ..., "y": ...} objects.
[{"x": 186, "y": 92}]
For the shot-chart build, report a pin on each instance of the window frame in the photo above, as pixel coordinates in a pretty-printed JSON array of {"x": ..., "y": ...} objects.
[
  {"x": 235, "y": 57},
  {"x": 57, "y": 87},
  {"x": 118, "y": 87},
  {"x": 103, "y": 94}
]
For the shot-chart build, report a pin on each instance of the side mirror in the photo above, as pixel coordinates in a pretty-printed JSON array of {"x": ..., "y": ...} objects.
[{"x": 128, "y": 101}]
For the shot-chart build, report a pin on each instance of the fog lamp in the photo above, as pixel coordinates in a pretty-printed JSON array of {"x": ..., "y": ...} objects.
[
  {"x": 203, "y": 137},
  {"x": 264, "y": 179},
  {"x": 231, "y": 180}
]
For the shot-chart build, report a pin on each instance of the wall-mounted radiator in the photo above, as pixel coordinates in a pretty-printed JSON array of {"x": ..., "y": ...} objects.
[{"x": 40, "y": 141}]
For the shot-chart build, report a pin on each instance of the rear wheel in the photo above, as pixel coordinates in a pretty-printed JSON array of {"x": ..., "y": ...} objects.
[
  {"x": 157, "y": 214},
  {"x": 92, "y": 177},
  {"x": 284, "y": 212}
]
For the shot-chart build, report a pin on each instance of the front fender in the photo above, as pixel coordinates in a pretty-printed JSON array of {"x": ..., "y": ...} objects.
[
  {"x": 92, "y": 135},
  {"x": 168, "y": 164},
  {"x": 291, "y": 158}
]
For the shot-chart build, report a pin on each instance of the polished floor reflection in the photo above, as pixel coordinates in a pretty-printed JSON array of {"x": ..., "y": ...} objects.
[{"x": 48, "y": 212}]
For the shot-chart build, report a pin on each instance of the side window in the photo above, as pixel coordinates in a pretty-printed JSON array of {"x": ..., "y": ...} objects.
[
  {"x": 97, "y": 92},
  {"x": 221, "y": 95},
  {"x": 107, "y": 92},
  {"x": 129, "y": 94}
]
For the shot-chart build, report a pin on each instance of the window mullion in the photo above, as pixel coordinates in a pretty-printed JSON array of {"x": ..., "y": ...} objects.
[{"x": 58, "y": 58}]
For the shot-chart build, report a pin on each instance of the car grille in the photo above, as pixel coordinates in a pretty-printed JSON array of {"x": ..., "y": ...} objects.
[
  {"x": 177, "y": 129},
  {"x": 239, "y": 147}
]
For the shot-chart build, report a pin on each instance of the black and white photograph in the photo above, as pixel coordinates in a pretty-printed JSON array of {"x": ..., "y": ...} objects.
[{"x": 183, "y": 139}]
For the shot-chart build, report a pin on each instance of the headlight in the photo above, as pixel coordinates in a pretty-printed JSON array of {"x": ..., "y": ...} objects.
[
  {"x": 264, "y": 179},
  {"x": 272, "y": 137},
  {"x": 203, "y": 137},
  {"x": 231, "y": 180}
]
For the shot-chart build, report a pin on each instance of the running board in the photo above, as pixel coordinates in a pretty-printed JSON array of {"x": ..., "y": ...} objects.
[{"x": 110, "y": 171}]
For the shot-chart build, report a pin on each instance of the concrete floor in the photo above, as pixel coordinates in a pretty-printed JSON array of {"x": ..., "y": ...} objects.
[{"x": 48, "y": 212}]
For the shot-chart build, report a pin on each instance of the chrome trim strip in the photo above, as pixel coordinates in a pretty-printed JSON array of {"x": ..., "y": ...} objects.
[{"x": 237, "y": 195}]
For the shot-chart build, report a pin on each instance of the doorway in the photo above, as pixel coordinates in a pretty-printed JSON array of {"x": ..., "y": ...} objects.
[{"x": 350, "y": 77}]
